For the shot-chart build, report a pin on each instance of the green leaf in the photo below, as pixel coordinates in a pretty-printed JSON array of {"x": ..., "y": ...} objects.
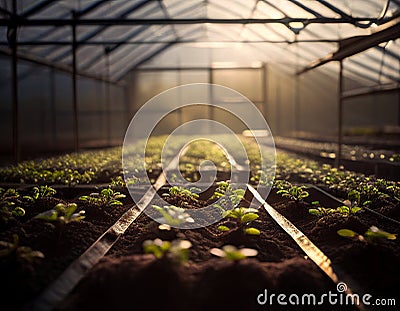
[
  {"x": 223, "y": 228},
  {"x": 314, "y": 211},
  {"x": 70, "y": 209},
  {"x": 354, "y": 195},
  {"x": 252, "y": 231},
  {"x": 249, "y": 217},
  {"x": 376, "y": 233},
  {"x": 347, "y": 233},
  {"x": 355, "y": 209},
  {"x": 18, "y": 211},
  {"x": 115, "y": 202},
  {"x": 235, "y": 256}
]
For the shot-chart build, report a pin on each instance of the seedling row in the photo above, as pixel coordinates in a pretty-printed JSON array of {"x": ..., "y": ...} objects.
[{"x": 44, "y": 228}]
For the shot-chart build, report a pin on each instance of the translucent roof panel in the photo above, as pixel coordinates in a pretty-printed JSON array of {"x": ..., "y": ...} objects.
[{"x": 223, "y": 31}]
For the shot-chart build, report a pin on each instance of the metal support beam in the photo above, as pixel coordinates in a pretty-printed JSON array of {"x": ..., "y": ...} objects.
[
  {"x": 372, "y": 90},
  {"x": 185, "y": 21},
  {"x": 354, "y": 45},
  {"x": 149, "y": 42},
  {"x": 12, "y": 37},
  {"x": 53, "y": 109},
  {"x": 74, "y": 90},
  {"x": 103, "y": 27},
  {"x": 211, "y": 82},
  {"x": 340, "y": 116},
  {"x": 63, "y": 68},
  {"x": 127, "y": 105},
  {"x": 264, "y": 70},
  {"x": 108, "y": 97}
]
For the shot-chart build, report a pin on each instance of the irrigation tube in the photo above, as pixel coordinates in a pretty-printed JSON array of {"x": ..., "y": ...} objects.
[
  {"x": 309, "y": 248},
  {"x": 66, "y": 282}
]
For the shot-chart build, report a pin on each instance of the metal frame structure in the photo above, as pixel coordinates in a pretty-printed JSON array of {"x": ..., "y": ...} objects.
[
  {"x": 347, "y": 48},
  {"x": 74, "y": 19}
]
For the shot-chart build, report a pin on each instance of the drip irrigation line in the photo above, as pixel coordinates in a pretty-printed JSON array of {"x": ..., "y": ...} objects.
[
  {"x": 342, "y": 202},
  {"x": 66, "y": 282},
  {"x": 308, "y": 247}
]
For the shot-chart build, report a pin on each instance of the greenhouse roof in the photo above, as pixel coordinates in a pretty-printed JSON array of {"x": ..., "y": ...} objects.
[{"x": 113, "y": 37}]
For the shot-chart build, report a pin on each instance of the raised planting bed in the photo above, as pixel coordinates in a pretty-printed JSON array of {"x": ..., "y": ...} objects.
[{"x": 200, "y": 276}]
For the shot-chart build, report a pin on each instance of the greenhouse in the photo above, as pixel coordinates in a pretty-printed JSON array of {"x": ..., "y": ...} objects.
[{"x": 200, "y": 154}]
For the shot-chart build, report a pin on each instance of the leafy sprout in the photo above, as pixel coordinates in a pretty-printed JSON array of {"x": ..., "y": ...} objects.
[
  {"x": 173, "y": 215},
  {"x": 343, "y": 210},
  {"x": 177, "y": 250},
  {"x": 22, "y": 254},
  {"x": 229, "y": 198},
  {"x": 62, "y": 214},
  {"x": 296, "y": 193},
  {"x": 40, "y": 192},
  {"x": 117, "y": 182},
  {"x": 106, "y": 197},
  {"x": 231, "y": 253},
  {"x": 9, "y": 205},
  {"x": 242, "y": 218},
  {"x": 180, "y": 196},
  {"x": 373, "y": 234}
]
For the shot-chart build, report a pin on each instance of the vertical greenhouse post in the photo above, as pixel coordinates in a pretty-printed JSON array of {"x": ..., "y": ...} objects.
[
  {"x": 340, "y": 115},
  {"x": 264, "y": 83},
  {"x": 108, "y": 95},
  {"x": 12, "y": 37},
  {"x": 74, "y": 85}
]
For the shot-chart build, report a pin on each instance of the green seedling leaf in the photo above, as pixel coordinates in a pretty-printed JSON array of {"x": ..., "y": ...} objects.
[
  {"x": 376, "y": 233},
  {"x": 249, "y": 217},
  {"x": 231, "y": 253},
  {"x": 70, "y": 209},
  {"x": 18, "y": 211},
  {"x": 223, "y": 228},
  {"x": 347, "y": 233},
  {"x": 252, "y": 231}
]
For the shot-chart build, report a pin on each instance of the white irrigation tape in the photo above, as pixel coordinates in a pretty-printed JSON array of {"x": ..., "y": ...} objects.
[
  {"x": 66, "y": 282},
  {"x": 309, "y": 248}
]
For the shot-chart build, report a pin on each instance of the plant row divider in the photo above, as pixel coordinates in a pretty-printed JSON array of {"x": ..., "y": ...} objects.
[
  {"x": 67, "y": 281},
  {"x": 308, "y": 247}
]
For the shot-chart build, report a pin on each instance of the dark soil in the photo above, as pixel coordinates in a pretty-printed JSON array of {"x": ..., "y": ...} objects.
[
  {"x": 126, "y": 279},
  {"x": 60, "y": 245}
]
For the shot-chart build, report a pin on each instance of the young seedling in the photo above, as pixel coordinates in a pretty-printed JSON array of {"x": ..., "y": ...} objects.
[
  {"x": 228, "y": 198},
  {"x": 231, "y": 253},
  {"x": 62, "y": 214},
  {"x": 9, "y": 201},
  {"x": 117, "y": 182},
  {"x": 172, "y": 216},
  {"x": 177, "y": 250},
  {"x": 40, "y": 192},
  {"x": 242, "y": 218},
  {"x": 106, "y": 197},
  {"x": 372, "y": 235},
  {"x": 296, "y": 193},
  {"x": 22, "y": 254},
  {"x": 181, "y": 196},
  {"x": 343, "y": 210}
]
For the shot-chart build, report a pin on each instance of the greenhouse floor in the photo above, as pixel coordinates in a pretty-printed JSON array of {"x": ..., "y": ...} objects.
[{"x": 318, "y": 199}]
